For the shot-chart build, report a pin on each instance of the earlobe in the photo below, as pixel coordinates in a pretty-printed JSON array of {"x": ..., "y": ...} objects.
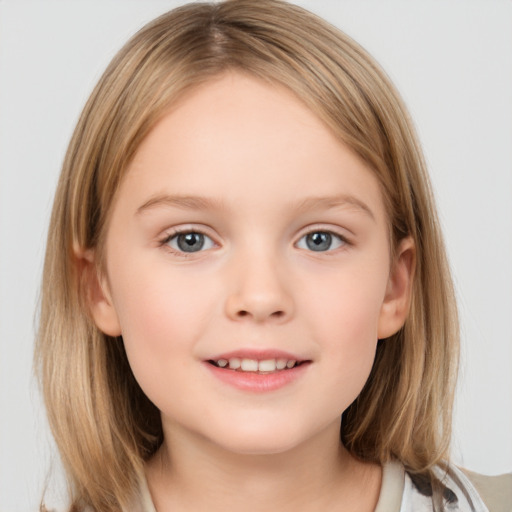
[
  {"x": 97, "y": 294},
  {"x": 395, "y": 307}
]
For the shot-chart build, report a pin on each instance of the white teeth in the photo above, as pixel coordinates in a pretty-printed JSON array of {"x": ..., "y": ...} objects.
[
  {"x": 269, "y": 365},
  {"x": 235, "y": 363},
  {"x": 249, "y": 365},
  {"x": 281, "y": 364},
  {"x": 253, "y": 365}
]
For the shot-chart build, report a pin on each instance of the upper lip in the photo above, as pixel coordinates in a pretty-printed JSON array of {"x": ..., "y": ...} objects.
[{"x": 258, "y": 354}]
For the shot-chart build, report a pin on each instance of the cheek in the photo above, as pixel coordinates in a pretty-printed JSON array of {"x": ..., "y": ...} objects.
[
  {"x": 162, "y": 315},
  {"x": 344, "y": 323},
  {"x": 345, "y": 307},
  {"x": 350, "y": 339},
  {"x": 158, "y": 299}
]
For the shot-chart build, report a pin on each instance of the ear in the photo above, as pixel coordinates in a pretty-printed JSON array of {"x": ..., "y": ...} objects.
[
  {"x": 97, "y": 293},
  {"x": 397, "y": 300}
]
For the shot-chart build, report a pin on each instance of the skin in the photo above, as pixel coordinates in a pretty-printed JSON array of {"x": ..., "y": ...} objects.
[{"x": 259, "y": 161}]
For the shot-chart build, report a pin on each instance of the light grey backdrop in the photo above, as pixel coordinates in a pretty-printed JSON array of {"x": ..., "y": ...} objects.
[{"x": 451, "y": 60}]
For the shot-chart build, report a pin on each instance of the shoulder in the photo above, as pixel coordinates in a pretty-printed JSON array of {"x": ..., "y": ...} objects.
[
  {"x": 458, "y": 490},
  {"x": 495, "y": 491},
  {"x": 461, "y": 491}
]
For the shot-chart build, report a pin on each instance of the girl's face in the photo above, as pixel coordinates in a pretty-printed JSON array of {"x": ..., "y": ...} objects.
[{"x": 244, "y": 230}]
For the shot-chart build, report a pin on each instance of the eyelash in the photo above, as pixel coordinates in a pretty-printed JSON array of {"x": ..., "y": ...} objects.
[
  {"x": 332, "y": 237},
  {"x": 343, "y": 241},
  {"x": 175, "y": 234}
]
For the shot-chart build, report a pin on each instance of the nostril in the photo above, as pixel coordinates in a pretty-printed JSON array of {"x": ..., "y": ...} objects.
[{"x": 275, "y": 314}]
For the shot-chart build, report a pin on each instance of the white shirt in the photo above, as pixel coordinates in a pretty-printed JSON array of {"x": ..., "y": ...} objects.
[{"x": 399, "y": 493}]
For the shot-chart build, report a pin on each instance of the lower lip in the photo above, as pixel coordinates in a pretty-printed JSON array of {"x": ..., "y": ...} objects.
[{"x": 258, "y": 382}]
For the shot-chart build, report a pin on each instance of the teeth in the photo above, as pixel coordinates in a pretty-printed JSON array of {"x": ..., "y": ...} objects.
[
  {"x": 269, "y": 365},
  {"x": 253, "y": 365},
  {"x": 249, "y": 365},
  {"x": 281, "y": 364},
  {"x": 235, "y": 363}
]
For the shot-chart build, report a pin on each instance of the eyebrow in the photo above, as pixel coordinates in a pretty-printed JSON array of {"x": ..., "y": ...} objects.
[
  {"x": 181, "y": 201},
  {"x": 329, "y": 202},
  {"x": 200, "y": 203}
]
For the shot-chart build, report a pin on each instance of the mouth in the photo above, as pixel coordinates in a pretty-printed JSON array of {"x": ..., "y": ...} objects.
[
  {"x": 258, "y": 370},
  {"x": 257, "y": 366}
]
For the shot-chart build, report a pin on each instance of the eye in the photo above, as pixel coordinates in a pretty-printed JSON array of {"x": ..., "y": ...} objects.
[
  {"x": 189, "y": 241},
  {"x": 320, "y": 241}
]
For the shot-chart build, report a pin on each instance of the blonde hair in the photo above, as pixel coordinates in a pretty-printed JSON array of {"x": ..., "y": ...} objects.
[{"x": 104, "y": 425}]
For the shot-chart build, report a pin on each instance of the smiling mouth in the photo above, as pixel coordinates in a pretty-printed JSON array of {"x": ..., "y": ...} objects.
[{"x": 264, "y": 366}]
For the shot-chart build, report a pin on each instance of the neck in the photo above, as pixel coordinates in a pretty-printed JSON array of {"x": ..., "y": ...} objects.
[{"x": 189, "y": 472}]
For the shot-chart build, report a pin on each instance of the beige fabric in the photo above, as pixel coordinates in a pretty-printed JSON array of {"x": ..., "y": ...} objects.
[
  {"x": 495, "y": 491},
  {"x": 146, "y": 501},
  {"x": 392, "y": 488}
]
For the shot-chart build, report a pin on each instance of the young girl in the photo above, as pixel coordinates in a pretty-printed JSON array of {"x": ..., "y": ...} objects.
[{"x": 246, "y": 301}]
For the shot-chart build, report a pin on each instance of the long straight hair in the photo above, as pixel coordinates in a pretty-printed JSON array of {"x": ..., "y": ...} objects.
[{"x": 103, "y": 424}]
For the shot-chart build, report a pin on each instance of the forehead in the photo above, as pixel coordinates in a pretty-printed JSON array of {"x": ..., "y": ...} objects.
[{"x": 243, "y": 141}]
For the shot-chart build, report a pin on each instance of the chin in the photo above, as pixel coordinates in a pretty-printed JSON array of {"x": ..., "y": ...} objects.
[{"x": 260, "y": 440}]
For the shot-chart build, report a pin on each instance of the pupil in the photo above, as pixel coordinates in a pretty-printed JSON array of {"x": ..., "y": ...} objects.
[
  {"x": 318, "y": 241},
  {"x": 190, "y": 242}
]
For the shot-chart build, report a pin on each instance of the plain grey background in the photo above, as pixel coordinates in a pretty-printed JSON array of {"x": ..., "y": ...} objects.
[{"x": 452, "y": 62}]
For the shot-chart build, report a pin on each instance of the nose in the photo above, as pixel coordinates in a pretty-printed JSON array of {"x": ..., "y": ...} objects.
[{"x": 259, "y": 291}]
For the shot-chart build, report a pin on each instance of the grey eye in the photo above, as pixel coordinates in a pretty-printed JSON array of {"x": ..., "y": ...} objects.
[
  {"x": 190, "y": 242},
  {"x": 320, "y": 241}
]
